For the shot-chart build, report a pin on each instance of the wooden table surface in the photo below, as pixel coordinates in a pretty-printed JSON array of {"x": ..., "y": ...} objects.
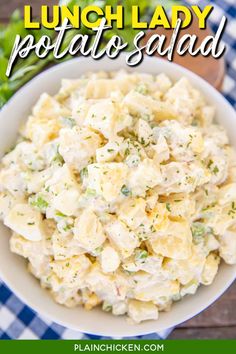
[{"x": 219, "y": 320}]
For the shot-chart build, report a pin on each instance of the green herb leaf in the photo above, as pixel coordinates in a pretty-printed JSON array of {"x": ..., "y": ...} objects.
[
  {"x": 140, "y": 254},
  {"x": 199, "y": 231},
  {"x": 125, "y": 191},
  {"x": 58, "y": 159},
  {"x": 60, "y": 214},
  {"x": 106, "y": 306},
  {"x": 69, "y": 122},
  {"x": 90, "y": 192},
  {"x": 215, "y": 170},
  {"x": 168, "y": 207},
  {"x": 40, "y": 203},
  {"x": 84, "y": 173}
]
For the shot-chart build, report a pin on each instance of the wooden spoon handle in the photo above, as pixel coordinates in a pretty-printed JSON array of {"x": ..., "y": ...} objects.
[{"x": 209, "y": 68}]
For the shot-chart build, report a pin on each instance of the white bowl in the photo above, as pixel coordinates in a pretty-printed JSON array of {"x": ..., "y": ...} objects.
[{"x": 13, "y": 268}]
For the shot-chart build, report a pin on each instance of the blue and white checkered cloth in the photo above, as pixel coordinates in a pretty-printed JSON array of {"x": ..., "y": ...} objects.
[{"x": 18, "y": 321}]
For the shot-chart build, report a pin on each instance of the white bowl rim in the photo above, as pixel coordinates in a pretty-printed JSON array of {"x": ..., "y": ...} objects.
[{"x": 110, "y": 332}]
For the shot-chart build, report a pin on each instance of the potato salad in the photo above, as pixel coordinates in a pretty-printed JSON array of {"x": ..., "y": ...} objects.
[{"x": 121, "y": 193}]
